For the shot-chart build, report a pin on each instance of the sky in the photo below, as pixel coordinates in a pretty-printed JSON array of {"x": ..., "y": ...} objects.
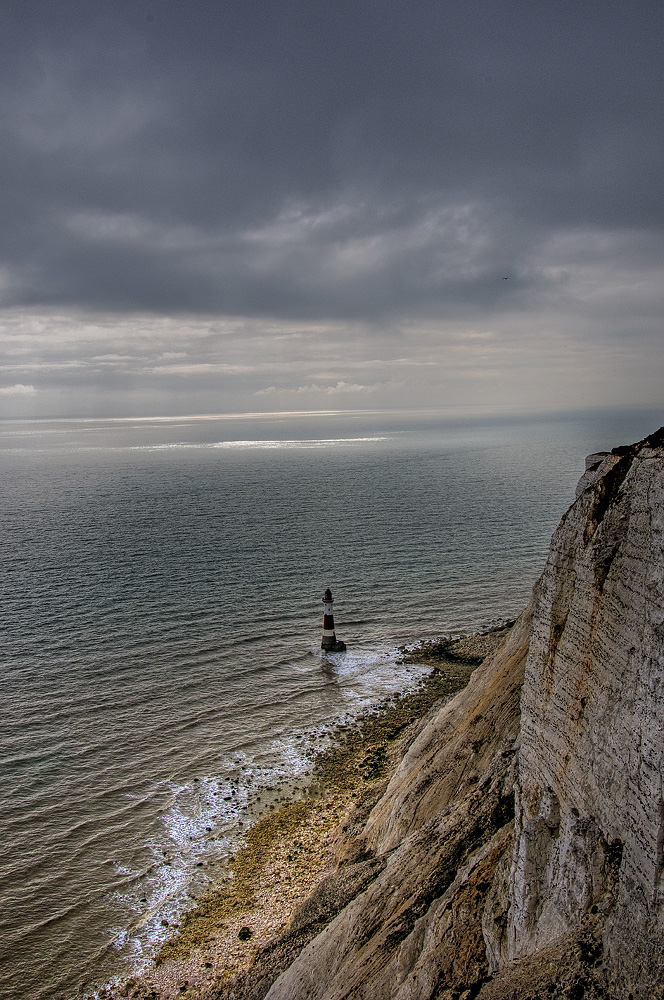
[{"x": 249, "y": 206}]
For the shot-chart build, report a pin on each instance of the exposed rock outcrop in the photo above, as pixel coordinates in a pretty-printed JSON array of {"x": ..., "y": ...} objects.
[
  {"x": 592, "y": 471},
  {"x": 518, "y": 849}
]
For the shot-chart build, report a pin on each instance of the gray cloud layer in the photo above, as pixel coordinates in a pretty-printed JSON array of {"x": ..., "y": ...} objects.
[{"x": 382, "y": 164}]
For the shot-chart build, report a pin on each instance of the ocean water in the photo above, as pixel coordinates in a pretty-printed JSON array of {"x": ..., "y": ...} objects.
[{"x": 162, "y": 678}]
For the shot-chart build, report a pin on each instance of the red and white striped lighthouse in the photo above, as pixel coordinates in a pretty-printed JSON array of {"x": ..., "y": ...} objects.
[{"x": 330, "y": 641}]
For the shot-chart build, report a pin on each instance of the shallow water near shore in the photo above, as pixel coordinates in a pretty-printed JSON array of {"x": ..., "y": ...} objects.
[{"x": 163, "y": 683}]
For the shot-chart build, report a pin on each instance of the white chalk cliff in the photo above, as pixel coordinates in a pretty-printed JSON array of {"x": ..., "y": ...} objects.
[
  {"x": 589, "y": 796},
  {"x": 518, "y": 849}
]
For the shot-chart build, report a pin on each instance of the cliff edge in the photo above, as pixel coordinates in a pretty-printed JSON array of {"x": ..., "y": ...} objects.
[{"x": 519, "y": 845}]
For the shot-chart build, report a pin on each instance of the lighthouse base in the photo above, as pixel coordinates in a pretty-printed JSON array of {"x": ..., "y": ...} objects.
[{"x": 331, "y": 644}]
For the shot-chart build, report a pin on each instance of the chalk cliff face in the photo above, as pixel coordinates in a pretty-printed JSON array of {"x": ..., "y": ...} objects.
[
  {"x": 521, "y": 840},
  {"x": 589, "y": 796}
]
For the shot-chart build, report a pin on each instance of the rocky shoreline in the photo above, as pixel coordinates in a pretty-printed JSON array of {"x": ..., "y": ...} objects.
[{"x": 244, "y": 931}]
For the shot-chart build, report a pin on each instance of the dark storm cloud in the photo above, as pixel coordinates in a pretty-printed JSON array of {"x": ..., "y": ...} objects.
[{"x": 349, "y": 160}]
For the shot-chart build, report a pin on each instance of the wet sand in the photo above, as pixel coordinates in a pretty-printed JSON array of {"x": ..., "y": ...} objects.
[{"x": 233, "y": 928}]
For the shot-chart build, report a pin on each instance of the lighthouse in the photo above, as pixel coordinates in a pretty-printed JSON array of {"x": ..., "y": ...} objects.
[{"x": 330, "y": 643}]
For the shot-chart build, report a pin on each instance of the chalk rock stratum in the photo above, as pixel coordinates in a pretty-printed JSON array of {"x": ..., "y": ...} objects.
[
  {"x": 518, "y": 849},
  {"x": 590, "y": 807}
]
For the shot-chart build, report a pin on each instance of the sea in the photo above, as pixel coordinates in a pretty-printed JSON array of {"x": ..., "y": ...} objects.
[{"x": 162, "y": 678}]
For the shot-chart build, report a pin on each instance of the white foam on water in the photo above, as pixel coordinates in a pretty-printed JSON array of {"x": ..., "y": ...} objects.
[
  {"x": 367, "y": 674},
  {"x": 203, "y": 821}
]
